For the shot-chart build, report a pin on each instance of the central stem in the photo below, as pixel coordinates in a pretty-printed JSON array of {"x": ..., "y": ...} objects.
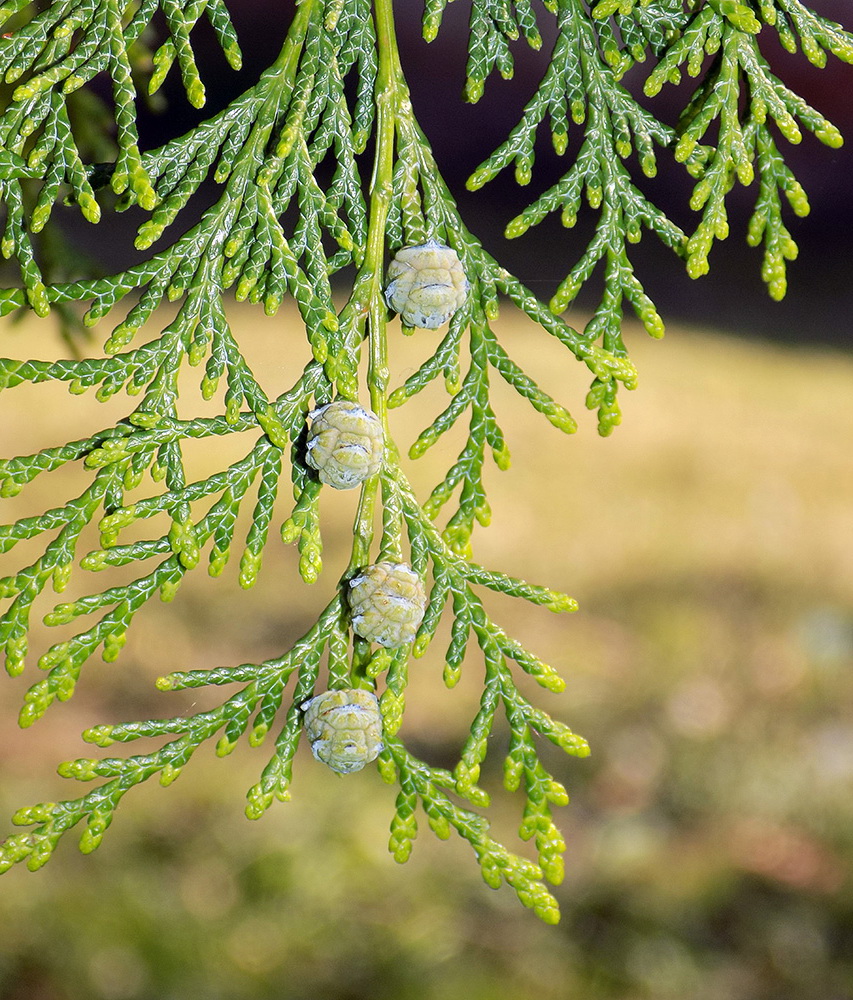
[
  {"x": 390, "y": 87},
  {"x": 390, "y": 92}
]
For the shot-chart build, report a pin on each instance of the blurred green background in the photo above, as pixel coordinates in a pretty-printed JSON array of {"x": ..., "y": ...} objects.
[{"x": 710, "y": 545}]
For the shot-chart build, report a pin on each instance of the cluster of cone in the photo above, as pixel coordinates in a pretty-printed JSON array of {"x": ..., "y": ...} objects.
[{"x": 346, "y": 446}]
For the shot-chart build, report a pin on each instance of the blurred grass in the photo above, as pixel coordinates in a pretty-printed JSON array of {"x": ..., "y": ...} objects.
[{"x": 710, "y": 544}]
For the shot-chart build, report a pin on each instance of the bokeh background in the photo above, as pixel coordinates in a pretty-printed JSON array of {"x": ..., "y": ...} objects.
[{"x": 710, "y": 545}]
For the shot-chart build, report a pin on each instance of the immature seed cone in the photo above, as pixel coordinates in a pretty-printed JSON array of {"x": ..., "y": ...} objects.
[
  {"x": 388, "y": 602},
  {"x": 426, "y": 285},
  {"x": 345, "y": 444},
  {"x": 344, "y": 728}
]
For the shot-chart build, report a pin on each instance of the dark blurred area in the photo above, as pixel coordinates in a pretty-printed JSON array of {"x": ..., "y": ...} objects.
[{"x": 732, "y": 297}]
